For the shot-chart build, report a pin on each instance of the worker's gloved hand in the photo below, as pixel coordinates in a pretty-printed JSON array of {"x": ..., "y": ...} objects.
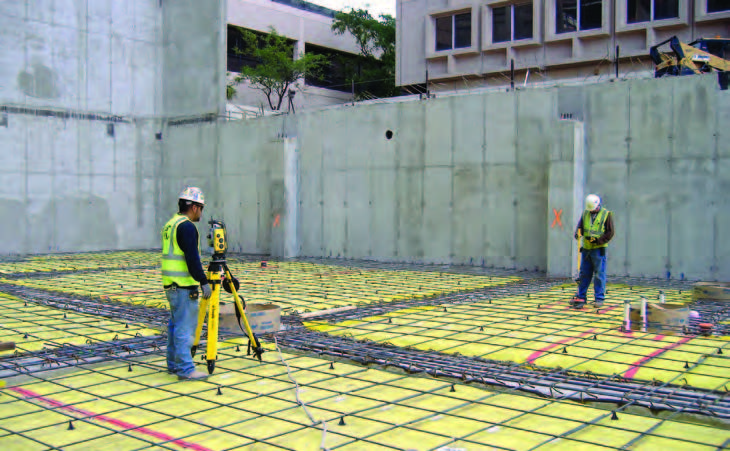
[{"x": 207, "y": 291}]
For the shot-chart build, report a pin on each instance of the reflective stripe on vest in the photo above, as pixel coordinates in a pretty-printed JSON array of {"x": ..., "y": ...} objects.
[
  {"x": 594, "y": 229},
  {"x": 174, "y": 266}
]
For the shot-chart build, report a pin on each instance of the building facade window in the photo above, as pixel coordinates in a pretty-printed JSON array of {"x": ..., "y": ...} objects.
[
  {"x": 512, "y": 22},
  {"x": 578, "y": 15},
  {"x": 453, "y": 32},
  {"x": 716, "y": 6},
  {"x": 647, "y": 10}
]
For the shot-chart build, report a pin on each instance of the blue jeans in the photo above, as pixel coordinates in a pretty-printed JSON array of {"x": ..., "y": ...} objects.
[
  {"x": 593, "y": 266},
  {"x": 180, "y": 330}
]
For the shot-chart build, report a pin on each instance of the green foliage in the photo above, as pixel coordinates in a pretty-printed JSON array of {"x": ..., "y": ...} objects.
[
  {"x": 376, "y": 39},
  {"x": 277, "y": 68},
  {"x": 230, "y": 91}
]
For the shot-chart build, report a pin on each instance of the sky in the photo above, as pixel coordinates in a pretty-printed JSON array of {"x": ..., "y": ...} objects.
[{"x": 375, "y": 7}]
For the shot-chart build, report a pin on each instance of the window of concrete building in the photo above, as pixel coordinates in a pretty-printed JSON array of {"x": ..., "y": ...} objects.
[
  {"x": 339, "y": 71},
  {"x": 646, "y": 10},
  {"x": 453, "y": 32},
  {"x": 512, "y": 22},
  {"x": 716, "y": 6},
  {"x": 666, "y": 9},
  {"x": 578, "y": 15}
]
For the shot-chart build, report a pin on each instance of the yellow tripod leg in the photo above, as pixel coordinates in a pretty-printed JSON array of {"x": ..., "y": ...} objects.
[
  {"x": 211, "y": 352},
  {"x": 252, "y": 338},
  {"x": 202, "y": 311}
]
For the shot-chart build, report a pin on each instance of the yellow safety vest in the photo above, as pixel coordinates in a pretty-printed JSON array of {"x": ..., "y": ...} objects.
[
  {"x": 174, "y": 266},
  {"x": 594, "y": 229}
]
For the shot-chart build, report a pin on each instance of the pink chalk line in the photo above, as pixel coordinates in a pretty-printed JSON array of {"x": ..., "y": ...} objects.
[
  {"x": 542, "y": 351},
  {"x": 631, "y": 372},
  {"x": 106, "y": 419}
]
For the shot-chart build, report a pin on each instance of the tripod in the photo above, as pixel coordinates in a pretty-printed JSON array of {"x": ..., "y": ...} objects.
[{"x": 211, "y": 306}]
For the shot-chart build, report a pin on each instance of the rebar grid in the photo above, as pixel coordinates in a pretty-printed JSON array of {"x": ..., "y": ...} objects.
[
  {"x": 296, "y": 287},
  {"x": 54, "y": 264},
  {"x": 540, "y": 328},
  {"x": 262, "y": 393},
  {"x": 489, "y": 308}
]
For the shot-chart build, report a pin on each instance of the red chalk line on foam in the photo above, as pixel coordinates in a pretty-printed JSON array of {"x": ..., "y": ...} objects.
[
  {"x": 535, "y": 355},
  {"x": 106, "y": 419},
  {"x": 631, "y": 372}
]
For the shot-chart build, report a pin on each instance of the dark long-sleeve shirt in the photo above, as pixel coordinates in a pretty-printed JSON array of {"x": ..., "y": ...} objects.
[
  {"x": 187, "y": 239},
  {"x": 607, "y": 233}
]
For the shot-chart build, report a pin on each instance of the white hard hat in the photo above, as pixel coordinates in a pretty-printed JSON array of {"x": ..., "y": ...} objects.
[
  {"x": 193, "y": 194},
  {"x": 592, "y": 202}
]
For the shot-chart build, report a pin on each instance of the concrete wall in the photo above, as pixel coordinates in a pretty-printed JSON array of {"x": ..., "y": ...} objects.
[
  {"x": 82, "y": 99},
  {"x": 497, "y": 179},
  {"x": 194, "y": 57}
]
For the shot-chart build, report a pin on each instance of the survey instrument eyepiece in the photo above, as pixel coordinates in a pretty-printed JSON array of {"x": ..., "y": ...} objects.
[{"x": 217, "y": 236}]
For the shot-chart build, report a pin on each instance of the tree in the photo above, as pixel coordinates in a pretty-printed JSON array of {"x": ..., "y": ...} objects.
[
  {"x": 277, "y": 68},
  {"x": 376, "y": 39}
]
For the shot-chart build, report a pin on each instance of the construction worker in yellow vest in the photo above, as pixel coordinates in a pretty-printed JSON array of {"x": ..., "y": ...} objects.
[
  {"x": 182, "y": 273},
  {"x": 596, "y": 228}
]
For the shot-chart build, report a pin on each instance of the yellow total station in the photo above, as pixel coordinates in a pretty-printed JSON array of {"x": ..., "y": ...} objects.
[{"x": 219, "y": 275}]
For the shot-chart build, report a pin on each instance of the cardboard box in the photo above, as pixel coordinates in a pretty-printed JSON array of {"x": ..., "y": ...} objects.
[
  {"x": 263, "y": 318},
  {"x": 711, "y": 291},
  {"x": 665, "y": 319}
]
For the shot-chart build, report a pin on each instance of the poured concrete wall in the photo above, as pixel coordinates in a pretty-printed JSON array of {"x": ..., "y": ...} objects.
[
  {"x": 82, "y": 98},
  {"x": 464, "y": 179},
  {"x": 496, "y": 179},
  {"x": 658, "y": 151}
]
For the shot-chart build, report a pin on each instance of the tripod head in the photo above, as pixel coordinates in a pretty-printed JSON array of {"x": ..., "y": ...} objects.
[{"x": 217, "y": 239}]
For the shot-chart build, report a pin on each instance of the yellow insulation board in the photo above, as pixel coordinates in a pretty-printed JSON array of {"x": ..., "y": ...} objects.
[
  {"x": 294, "y": 286},
  {"x": 258, "y": 402},
  {"x": 80, "y": 261},
  {"x": 542, "y": 330},
  {"x": 45, "y": 326}
]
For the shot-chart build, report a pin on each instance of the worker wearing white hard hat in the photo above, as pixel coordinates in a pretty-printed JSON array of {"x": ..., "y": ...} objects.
[
  {"x": 596, "y": 228},
  {"x": 182, "y": 274}
]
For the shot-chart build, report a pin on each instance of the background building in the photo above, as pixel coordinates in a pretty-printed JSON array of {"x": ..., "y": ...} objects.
[
  {"x": 472, "y": 43},
  {"x": 309, "y": 27}
]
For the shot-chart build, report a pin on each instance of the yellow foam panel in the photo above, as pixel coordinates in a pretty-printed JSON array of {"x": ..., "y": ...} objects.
[
  {"x": 380, "y": 410},
  {"x": 46, "y": 327}
]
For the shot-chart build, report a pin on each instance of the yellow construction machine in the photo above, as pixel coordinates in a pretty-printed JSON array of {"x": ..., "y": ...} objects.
[{"x": 701, "y": 56}]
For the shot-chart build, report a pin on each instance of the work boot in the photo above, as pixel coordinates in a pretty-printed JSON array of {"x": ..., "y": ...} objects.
[
  {"x": 195, "y": 375},
  {"x": 577, "y": 303},
  {"x": 598, "y": 304}
]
